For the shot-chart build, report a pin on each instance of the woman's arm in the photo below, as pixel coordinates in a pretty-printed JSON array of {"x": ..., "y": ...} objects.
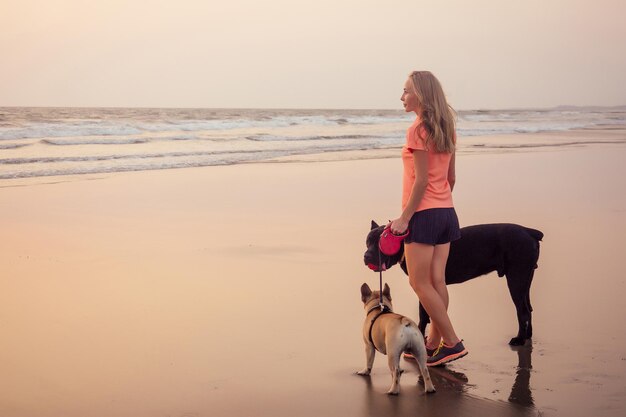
[
  {"x": 420, "y": 162},
  {"x": 452, "y": 172}
]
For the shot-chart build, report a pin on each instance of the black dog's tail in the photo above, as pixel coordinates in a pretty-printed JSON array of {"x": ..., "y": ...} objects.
[{"x": 536, "y": 234}]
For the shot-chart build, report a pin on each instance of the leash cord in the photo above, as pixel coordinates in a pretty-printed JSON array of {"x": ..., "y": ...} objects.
[{"x": 380, "y": 271}]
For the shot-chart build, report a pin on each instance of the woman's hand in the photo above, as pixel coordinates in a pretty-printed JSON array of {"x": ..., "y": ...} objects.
[{"x": 399, "y": 226}]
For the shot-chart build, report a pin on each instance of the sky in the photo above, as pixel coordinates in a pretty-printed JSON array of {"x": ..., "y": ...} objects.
[{"x": 310, "y": 54}]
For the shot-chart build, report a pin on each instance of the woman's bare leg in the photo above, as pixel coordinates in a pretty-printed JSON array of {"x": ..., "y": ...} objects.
[
  {"x": 419, "y": 259},
  {"x": 438, "y": 278}
]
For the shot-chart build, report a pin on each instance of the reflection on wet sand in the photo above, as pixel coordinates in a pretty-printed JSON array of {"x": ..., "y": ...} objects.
[
  {"x": 520, "y": 392},
  {"x": 452, "y": 397},
  {"x": 449, "y": 379}
]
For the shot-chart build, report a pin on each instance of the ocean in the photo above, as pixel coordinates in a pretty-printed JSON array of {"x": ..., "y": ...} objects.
[{"x": 41, "y": 142}]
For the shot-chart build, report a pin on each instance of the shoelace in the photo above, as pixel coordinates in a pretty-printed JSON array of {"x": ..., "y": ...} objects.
[{"x": 438, "y": 348}]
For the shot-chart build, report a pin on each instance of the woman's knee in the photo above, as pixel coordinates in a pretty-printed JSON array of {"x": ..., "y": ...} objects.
[
  {"x": 438, "y": 279},
  {"x": 440, "y": 285},
  {"x": 421, "y": 285}
]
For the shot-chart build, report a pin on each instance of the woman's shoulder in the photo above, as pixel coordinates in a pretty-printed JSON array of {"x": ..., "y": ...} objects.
[
  {"x": 418, "y": 129},
  {"x": 417, "y": 135}
]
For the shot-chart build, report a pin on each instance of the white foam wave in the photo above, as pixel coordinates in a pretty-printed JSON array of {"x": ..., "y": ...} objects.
[
  {"x": 114, "y": 157},
  {"x": 94, "y": 141},
  {"x": 507, "y": 130},
  {"x": 277, "y": 138},
  {"x": 147, "y": 164},
  {"x": 61, "y": 129}
]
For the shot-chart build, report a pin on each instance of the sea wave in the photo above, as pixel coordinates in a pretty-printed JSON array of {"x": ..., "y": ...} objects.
[
  {"x": 55, "y": 166},
  {"x": 277, "y": 138},
  {"x": 147, "y": 162},
  {"x": 227, "y": 153},
  {"x": 517, "y": 146},
  {"x": 481, "y": 122},
  {"x": 63, "y": 129},
  {"x": 113, "y": 157},
  {"x": 91, "y": 141},
  {"x": 506, "y": 130},
  {"x": 13, "y": 145},
  {"x": 86, "y": 128}
]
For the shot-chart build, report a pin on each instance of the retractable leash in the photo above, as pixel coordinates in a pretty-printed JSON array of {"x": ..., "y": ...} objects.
[
  {"x": 389, "y": 244},
  {"x": 380, "y": 271}
]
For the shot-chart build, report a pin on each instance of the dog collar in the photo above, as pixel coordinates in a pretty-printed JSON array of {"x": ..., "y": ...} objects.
[{"x": 385, "y": 309}]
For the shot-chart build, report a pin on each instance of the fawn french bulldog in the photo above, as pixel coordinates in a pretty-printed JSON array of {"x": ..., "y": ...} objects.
[{"x": 391, "y": 334}]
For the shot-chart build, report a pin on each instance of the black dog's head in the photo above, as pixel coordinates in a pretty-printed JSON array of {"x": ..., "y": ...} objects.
[{"x": 371, "y": 256}]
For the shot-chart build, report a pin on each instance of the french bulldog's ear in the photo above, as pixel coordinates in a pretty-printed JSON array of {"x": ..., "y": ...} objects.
[
  {"x": 374, "y": 225},
  {"x": 365, "y": 292},
  {"x": 387, "y": 292}
]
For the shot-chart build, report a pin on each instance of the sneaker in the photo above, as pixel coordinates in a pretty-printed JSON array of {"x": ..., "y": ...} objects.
[{"x": 447, "y": 354}]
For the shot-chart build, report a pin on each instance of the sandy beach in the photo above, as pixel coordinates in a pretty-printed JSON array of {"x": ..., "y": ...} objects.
[{"x": 234, "y": 290}]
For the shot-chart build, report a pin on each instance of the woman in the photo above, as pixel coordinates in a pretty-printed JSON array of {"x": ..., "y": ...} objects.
[{"x": 427, "y": 209}]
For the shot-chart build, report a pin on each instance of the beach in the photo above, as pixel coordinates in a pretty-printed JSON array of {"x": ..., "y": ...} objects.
[{"x": 234, "y": 290}]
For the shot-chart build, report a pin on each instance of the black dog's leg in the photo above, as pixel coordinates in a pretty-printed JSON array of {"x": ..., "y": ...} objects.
[
  {"x": 518, "y": 281},
  {"x": 424, "y": 319},
  {"x": 529, "y": 332}
]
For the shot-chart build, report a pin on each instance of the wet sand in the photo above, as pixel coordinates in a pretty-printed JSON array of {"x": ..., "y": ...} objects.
[{"x": 234, "y": 291}]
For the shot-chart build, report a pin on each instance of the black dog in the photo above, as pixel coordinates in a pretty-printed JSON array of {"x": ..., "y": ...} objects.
[{"x": 509, "y": 249}]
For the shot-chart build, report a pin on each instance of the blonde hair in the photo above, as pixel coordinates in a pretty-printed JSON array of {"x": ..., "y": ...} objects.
[{"x": 438, "y": 117}]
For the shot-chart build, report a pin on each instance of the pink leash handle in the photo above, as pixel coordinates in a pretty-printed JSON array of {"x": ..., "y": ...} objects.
[{"x": 389, "y": 243}]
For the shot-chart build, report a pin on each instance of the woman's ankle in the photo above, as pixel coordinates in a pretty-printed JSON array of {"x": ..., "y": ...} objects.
[
  {"x": 450, "y": 345},
  {"x": 432, "y": 343}
]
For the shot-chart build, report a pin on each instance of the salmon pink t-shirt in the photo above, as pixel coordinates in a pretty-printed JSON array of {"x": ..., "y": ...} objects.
[{"x": 438, "y": 193}]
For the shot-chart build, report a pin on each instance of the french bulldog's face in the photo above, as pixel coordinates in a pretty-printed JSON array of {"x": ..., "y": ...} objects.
[{"x": 371, "y": 256}]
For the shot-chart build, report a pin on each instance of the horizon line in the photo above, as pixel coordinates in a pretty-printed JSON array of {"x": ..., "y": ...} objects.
[{"x": 557, "y": 107}]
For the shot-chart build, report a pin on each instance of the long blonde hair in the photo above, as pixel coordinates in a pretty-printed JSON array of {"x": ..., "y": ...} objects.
[{"x": 438, "y": 117}]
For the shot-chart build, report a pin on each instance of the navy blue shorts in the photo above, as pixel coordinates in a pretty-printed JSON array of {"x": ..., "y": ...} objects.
[{"x": 434, "y": 226}]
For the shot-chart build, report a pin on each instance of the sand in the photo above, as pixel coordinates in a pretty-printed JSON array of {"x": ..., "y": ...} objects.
[{"x": 234, "y": 291}]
